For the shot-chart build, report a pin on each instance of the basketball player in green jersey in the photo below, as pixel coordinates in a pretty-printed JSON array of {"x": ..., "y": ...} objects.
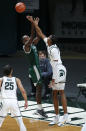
[{"x": 34, "y": 70}]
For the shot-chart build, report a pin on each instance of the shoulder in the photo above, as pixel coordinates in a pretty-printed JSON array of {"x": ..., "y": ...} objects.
[
  {"x": 46, "y": 41},
  {"x": 54, "y": 48}
]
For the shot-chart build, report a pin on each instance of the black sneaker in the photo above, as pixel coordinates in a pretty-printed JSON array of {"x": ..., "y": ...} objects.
[{"x": 41, "y": 113}]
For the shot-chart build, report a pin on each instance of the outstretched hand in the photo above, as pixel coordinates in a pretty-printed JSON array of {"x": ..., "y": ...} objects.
[
  {"x": 30, "y": 18},
  {"x": 36, "y": 20}
]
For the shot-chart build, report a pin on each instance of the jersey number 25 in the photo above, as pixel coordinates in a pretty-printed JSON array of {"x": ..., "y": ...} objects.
[{"x": 9, "y": 85}]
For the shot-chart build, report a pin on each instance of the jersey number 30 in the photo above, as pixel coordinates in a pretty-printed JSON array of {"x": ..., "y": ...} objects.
[{"x": 9, "y": 85}]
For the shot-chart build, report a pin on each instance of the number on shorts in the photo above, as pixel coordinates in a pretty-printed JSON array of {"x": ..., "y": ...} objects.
[{"x": 9, "y": 85}]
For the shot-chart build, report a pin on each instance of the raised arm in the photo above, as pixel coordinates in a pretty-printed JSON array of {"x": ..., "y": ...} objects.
[
  {"x": 32, "y": 35},
  {"x": 20, "y": 86},
  {"x": 38, "y": 30},
  {"x": 37, "y": 38}
]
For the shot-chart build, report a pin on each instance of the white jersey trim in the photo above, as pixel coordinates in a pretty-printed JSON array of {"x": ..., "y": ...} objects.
[{"x": 26, "y": 52}]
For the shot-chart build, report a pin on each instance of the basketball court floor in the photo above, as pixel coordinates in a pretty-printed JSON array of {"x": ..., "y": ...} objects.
[
  {"x": 36, "y": 123},
  {"x": 76, "y": 72}
]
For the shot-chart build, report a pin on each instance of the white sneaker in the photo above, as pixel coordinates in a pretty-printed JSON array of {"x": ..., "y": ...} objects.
[
  {"x": 55, "y": 121},
  {"x": 63, "y": 121}
]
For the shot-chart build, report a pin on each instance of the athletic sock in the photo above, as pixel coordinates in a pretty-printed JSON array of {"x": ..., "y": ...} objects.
[{"x": 39, "y": 106}]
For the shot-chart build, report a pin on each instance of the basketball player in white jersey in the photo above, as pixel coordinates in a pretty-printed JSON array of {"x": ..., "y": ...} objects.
[
  {"x": 8, "y": 85},
  {"x": 59, "y": 73}
]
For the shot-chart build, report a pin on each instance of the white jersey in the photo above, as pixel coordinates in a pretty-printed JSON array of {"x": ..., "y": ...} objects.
[
  {"x": 53, "y": 52},
  {"x": 59, "y": 71},
  {"x": 8, "y": 88}
]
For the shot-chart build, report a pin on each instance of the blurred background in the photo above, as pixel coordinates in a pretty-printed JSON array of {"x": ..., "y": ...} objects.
[{"x": 64, "y": 18}]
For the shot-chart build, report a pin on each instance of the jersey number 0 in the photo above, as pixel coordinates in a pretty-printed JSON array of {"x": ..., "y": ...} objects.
[{"x": 9, "y": 85}]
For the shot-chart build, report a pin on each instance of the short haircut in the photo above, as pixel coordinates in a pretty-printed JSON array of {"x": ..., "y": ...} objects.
[
  {"x": 7, "y": 70},
  {"x": 42, "y": 52},
  {"x": 54, "y": 39}
]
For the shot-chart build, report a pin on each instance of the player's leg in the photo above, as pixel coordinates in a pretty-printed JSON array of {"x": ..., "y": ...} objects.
[
  {"x": 56, "y": 107},
  {"x": 61, "y": 87},
  {"x": 64, "y": 101},
  {"x": 3, "y": 111},
  {"x": 38, "y": 94},
  {"x": 1, "y": 120},
  {"x": 56, "y": 101},
  {"x": 36, "y": 78},
  {"x": 15, "y": 112},
  {"x": 21, "y": 124},
  {"x": 64, "y": 119},
  {"x": 84, "y": 127}
]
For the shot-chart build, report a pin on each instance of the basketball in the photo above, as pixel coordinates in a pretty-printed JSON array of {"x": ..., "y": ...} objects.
[{"x": 20, "y": 7}]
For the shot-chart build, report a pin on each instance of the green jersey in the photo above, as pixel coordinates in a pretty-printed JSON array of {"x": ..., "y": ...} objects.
[
  {"x": 32, "y": 56},
  {"x": 34, "y": 69}
]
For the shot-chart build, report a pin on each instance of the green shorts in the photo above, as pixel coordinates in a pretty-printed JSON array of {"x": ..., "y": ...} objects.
[{"x": 35, "y": 75}]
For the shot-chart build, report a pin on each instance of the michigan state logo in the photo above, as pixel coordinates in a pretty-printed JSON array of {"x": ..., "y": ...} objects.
[{"x": 62, "y": 73}]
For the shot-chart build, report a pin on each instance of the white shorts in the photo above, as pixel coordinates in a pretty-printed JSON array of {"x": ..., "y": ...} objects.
[
  {"x": 10, "y": 106},
  {"x": 59, "y": 86},
  {"x": 60, "y": 78}
]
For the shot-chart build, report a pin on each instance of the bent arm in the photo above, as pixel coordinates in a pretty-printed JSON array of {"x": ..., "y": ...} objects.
[
  {"x": 39, "y": 31},
  {"x": 31, "y": 36}
]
